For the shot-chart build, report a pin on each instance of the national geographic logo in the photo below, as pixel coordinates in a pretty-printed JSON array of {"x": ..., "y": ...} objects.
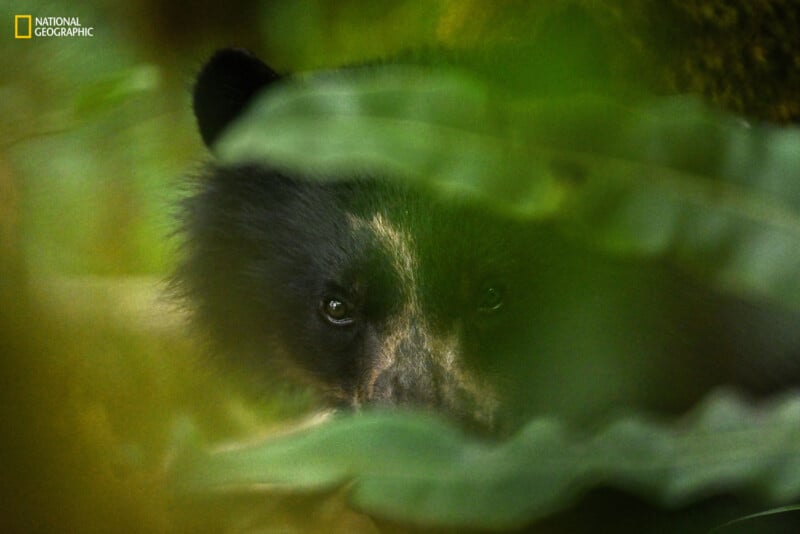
[{"x": 28, "y": 26}]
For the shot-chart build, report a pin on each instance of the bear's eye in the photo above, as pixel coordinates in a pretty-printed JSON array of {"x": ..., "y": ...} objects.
[
  {"x": 491, "y": 298},
  {"x": 336, "y": 311}
]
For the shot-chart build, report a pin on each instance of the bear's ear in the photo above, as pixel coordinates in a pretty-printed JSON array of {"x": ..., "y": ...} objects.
[{"x": 224, "y": 87}]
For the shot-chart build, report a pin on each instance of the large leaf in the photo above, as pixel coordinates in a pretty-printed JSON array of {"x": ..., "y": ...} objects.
[
  {"x": 651, "y": 178},
  {"x": 417, "y": 469},
  {"x": 430, "y": 127}
]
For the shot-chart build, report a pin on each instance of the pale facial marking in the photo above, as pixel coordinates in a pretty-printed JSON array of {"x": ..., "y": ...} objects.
[
  {"x": 404, "y": 263},
  {"x": 432, "y": 351},
  {"x": 400, "y": 247}
]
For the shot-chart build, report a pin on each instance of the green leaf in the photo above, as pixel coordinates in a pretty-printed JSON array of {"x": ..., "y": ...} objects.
[
  {"x": 417, "y": 469},
  {"x": 667, "y": 178},
  {"x": 398, "y": 122}
]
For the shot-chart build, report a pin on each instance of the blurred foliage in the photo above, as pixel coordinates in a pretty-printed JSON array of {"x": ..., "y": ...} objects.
[
  {"x": 421, "y": 471},
  {"x": 661, "y": 179},
  {"x": 96, "y": 134}
]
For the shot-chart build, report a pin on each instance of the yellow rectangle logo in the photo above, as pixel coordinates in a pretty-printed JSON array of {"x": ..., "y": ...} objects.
[{"x": 17, "y": 33}]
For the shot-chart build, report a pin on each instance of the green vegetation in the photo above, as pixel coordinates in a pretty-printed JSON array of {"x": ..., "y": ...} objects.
[
  {"x": 571, "y": 115},
  {"x": 418, "y": 470}
]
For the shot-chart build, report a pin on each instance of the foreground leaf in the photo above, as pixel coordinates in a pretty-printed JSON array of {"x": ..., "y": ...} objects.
[
  {"x": 417, "y": 469},
  {"x": 668, "y": 178}
]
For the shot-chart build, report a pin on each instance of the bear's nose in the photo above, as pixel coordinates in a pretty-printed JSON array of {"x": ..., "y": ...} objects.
[
  {"x": 407, "y": 383},
  {"x": 411, "y": 376}
]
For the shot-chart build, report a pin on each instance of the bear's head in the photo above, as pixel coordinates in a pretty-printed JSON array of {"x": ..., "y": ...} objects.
[{"x": 374, "y": 291}]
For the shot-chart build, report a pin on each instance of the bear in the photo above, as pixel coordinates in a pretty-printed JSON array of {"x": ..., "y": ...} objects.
[
  {"x": 379, "y": 293},
  {"x": 374, "y": 292}
]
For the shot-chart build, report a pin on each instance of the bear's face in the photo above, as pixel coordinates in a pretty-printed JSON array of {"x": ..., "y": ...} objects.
[
  {"x": 374, "y": 291},
  {"x": 378, "y": 293}
]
